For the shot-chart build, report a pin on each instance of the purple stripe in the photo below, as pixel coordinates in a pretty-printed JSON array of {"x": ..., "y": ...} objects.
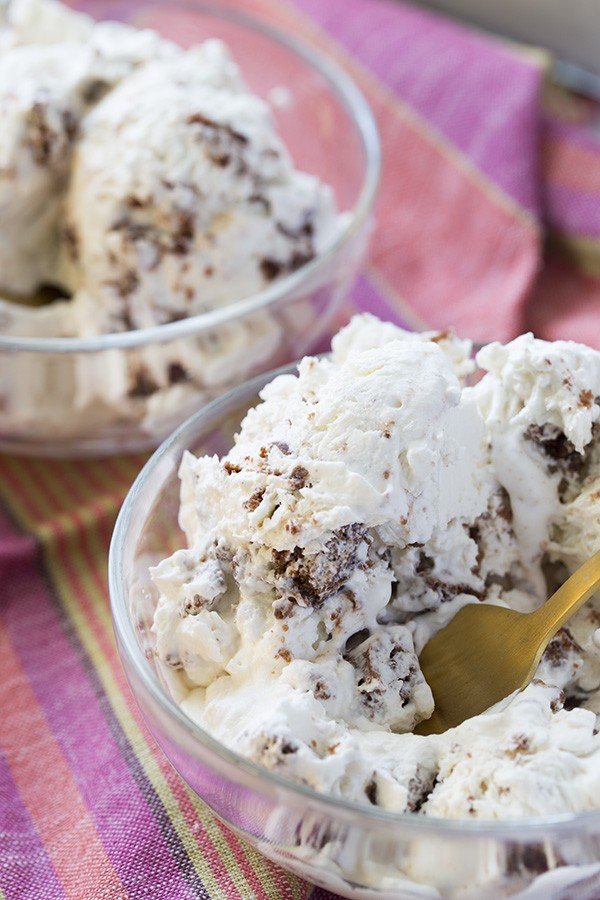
[
  {"x": 25, "y": 868},
  {"x": 481, "y": 97},
  {"x": 368, "y": 298},
  {"x": 573, "y": 212},
  {"x": 97, "y": 752},
  {"x": 364, "y": 297}
]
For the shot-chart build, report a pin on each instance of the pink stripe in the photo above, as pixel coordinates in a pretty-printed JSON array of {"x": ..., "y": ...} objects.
[
  {"x": 26, "y": 872},
  {"x": 369, "y": 299}
]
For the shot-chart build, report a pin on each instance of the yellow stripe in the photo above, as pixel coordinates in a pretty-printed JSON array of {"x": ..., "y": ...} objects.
[
  {"x": 127, "y": 469},
  {"x": 46, "y": 520},
  {"x": 16, "y": 486},
  {"x": 30, "y": 473},
  {"x": 530, "y": 53},
  {"x": 51, "y": 516}
]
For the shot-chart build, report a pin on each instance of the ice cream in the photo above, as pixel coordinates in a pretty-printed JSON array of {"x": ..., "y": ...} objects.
[
  {"x": 54, "y": 66},
  {"x": 144, "y": 184},
  {"x": 364, "y": 502},
  {"x": 183, "y": 198}
]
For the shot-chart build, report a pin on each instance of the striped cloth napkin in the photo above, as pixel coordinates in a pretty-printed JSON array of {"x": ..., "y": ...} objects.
[{"x": 489, "y": 221}]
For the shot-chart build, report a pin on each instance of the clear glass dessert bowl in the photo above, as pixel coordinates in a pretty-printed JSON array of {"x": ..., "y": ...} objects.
[
  {"x": 80, "y": 396},
  {"x": 355, "y": 850}
]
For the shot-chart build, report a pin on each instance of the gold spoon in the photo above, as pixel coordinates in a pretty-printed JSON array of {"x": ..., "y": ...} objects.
[{"x": 487, "y": 652}]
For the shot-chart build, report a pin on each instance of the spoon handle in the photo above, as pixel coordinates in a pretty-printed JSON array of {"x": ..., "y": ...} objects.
[{"x": 568, "y": 598}]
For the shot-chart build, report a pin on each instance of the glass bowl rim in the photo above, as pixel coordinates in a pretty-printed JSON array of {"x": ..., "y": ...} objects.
[
  {"x": 359, "y": 112},
  {"x": 180, "y": 439}
]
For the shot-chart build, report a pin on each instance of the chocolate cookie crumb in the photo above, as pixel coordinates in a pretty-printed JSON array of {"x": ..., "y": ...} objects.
[
  {"x": 371, "y": 791},
  {"x": 254, "y": 501},
  {"x": 143, "y": 386},
  {"x": 298, "y": 478},
  {"x": 177, "y": 373}
]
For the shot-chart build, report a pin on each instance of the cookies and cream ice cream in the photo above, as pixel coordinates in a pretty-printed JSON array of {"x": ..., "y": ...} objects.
[
  {"x": 143, "y": 184},
  {"x": 183, "y": 198},
  {"x": 364, "y": 501}
]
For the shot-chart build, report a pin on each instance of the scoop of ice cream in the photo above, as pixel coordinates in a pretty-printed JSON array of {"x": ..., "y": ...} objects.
[
  {"x": 41, "y": 22},
  {"x": 183, "y": 198},
  {"x": 321, "y": 453},
  {"x": 364, "y": 501},
  {"x": 355, "y": 455},
  {"x": 536, "y": 385},
  {"x": 146, "y": 181}
]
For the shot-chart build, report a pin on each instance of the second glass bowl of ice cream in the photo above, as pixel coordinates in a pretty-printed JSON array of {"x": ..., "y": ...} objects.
[{"x": 125, "y": 391}]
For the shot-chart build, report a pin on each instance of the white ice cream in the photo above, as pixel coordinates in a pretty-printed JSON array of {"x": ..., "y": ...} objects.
[{"x": 364, "y": 501}]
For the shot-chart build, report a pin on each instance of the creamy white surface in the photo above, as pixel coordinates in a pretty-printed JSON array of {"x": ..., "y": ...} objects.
[
  {"x": 183, "y": 198},
  {"x": 363, "y": 503}
]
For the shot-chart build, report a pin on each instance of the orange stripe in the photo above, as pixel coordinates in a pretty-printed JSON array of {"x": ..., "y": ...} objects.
[{"x": 26, "y": 740}]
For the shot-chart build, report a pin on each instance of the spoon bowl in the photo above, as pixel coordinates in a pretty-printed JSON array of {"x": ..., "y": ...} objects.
[{"x": 488, "y": 652}]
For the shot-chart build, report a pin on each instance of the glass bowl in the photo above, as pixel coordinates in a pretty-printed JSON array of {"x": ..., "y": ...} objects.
[
  {"x": 354, "y": 850},
  {"x": 75, "y": 396}
]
